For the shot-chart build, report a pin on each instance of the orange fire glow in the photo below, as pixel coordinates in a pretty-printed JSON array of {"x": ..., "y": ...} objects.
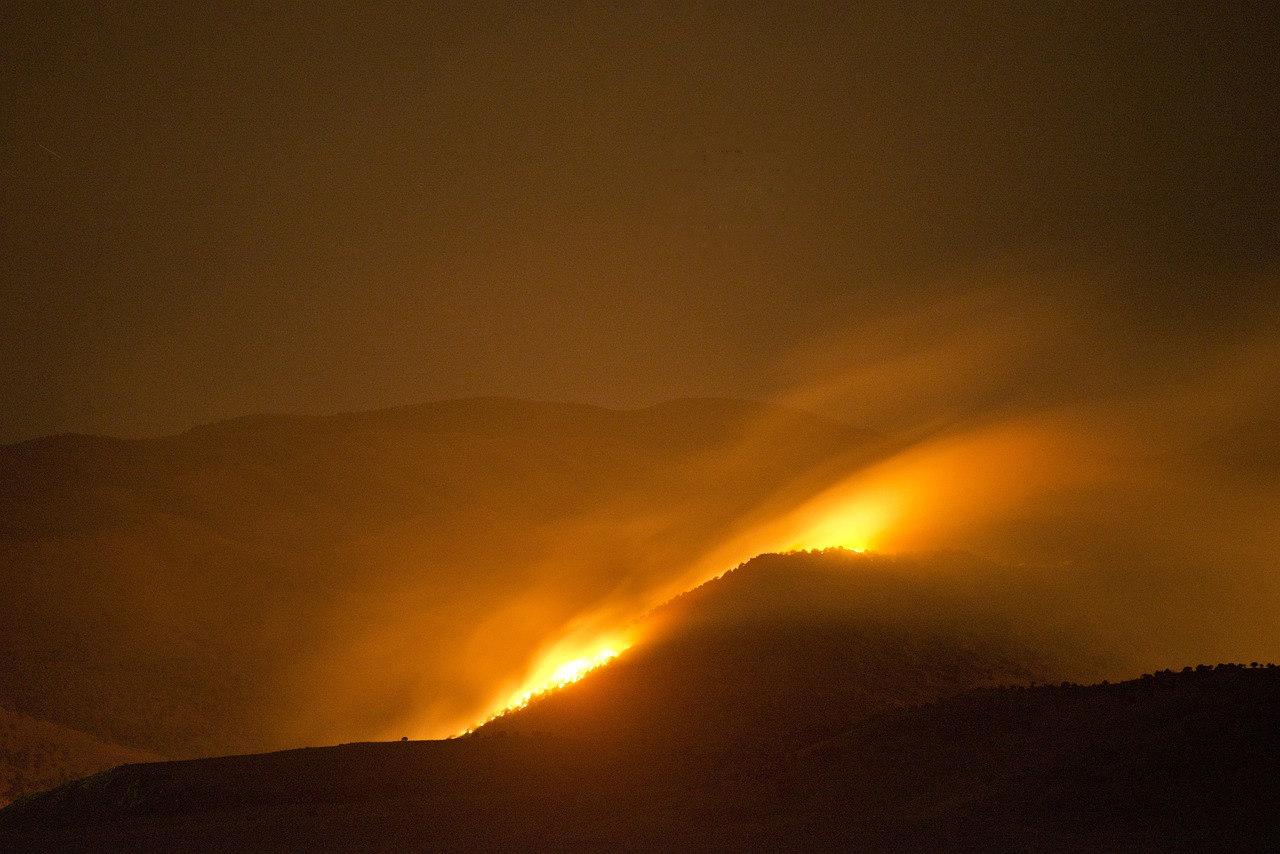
[
  {"x": 942, "y": 492},
  {"x": 561, "y": 675},
  {"x": 936, "y": 494}
]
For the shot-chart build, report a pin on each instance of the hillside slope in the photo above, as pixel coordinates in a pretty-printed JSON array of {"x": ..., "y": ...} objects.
[
  {"x": 1172, "y": 762},
  {"x": 793, "y": 648},
  {"x": 274, "y": 581},
  {"x": 37, "y": 755},
  {"x": 1185, "y": 761},
  {"x": 724, "y": 683}
]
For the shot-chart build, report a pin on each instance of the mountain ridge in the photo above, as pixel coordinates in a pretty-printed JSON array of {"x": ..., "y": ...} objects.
[
  {"x": 279, "y": 580},
  {"x": 986, "y": 770}
]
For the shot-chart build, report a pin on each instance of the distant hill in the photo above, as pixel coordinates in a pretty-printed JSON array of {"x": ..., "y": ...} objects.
[
  {"x": 270, "y": 582},
  {"x": 273, "y": 581},
  {"x": 794, "y": 648},
  {"x": 1186, "y": 761},
  {"x": 819, "y": 746},
  {"x": 37, "y": 755},
  {"x": 1172, "y": 762}
]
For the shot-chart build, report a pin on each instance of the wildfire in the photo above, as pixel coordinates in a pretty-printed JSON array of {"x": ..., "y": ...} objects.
[
  {"x": 947, "y": 491},
  {"x": 572, "y": 671},
  {"x": 564, "y": 674},
  {"x": 856, "y": 522}
]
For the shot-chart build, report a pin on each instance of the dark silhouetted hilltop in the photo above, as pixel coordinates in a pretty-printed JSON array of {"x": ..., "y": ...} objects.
[
  {"x": 788, "y": 649},
  {"x": 272, "y": 581},
  {"x": 1171, "y": 762}
]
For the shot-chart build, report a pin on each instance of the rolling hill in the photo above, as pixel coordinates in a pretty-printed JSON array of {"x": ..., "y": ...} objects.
[
  {"x": 812, "y": 701},
  {"x": 791, "y": 648},
  {"x": 273, "y": 581}
]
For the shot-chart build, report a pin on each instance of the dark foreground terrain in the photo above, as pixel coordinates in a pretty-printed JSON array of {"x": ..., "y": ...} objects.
[
  {"x": 1184, "y": 761},
  {"x": 809, "y": 701}
]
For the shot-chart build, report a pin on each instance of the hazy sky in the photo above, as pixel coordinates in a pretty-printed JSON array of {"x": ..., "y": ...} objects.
[{"x": 216, "y": 208}]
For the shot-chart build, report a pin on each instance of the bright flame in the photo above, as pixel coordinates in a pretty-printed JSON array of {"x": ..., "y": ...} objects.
[
  {"x": 572, "y": 671},
  {"x": 946, "y": 491},
  {"x": 564, "y": 674}
]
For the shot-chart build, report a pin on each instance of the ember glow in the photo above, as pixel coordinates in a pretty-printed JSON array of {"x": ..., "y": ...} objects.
[
  {"x": 562, "y": 675},
  {"x": 1019, "y": 489},
  {"x": 572, "y": 671},
  {"x": 703, "y": 281},
  {"x": 858, "y": 521}
]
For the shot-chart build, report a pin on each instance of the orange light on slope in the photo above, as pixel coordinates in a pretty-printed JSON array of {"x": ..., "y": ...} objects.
[
  {"x": 562, "y": 675},
  {"x": 946, "y": 492},
  {"x": 572, "y": 671}
]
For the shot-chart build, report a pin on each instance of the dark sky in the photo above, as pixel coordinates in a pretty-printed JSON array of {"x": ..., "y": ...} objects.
[{"x": 216, "y": 208}]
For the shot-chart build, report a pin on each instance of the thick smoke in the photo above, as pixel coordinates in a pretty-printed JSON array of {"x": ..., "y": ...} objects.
[
  {"x": 1047, "y": 422},
  {"x": 1026, "y": 419}
]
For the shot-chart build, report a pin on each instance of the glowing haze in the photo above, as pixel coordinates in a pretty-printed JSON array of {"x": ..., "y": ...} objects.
[
  {"x": 208, "y": 211},
  {"x": 1033, "y": 246},
  {"x": 1014, "y": 440}
]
